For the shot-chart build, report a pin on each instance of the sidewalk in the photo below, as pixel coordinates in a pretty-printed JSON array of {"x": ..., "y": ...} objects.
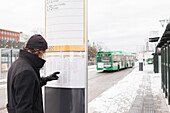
[
  {"x": 138, "y": 92},
  {"x": 3, "y": 75}
]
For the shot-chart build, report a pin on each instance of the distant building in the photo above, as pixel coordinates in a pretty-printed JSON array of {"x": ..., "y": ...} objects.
[
  {"x": 10, "y": 39},
  {"x": 9, "y": 35},
  {"x": 147, "y": 46}
]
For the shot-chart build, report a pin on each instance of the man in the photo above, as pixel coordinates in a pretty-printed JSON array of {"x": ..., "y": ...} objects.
[{"x": 24, "y": 82}]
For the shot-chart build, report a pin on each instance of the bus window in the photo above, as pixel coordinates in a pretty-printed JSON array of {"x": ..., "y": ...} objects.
[
  {"x": 99, "y": 59},
  {"x": 106, "y": 59},
  {"x": 103, "y": 59},
  {"x": 109, "y": 54},
  {"x": 114, "y": 58},
  {"x": 123, "y": 58},
  {"x": 117, "y": 58}
]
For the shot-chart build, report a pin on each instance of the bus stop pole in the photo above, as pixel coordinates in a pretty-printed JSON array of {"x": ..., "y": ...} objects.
[{"x": 67, "y": 55}]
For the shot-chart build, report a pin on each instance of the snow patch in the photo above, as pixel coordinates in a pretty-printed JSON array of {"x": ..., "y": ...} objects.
[{"x": 119, "y": 98}]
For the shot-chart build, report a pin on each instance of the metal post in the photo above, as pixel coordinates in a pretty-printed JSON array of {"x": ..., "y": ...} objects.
[
  {"x": 162, "y": 68},
  {"x": 167, "y": 72},
  {"x": 163, "y": 65},
  {"x": 165, "y": 85},
  {"x": 157, "y": 62},
  {"x": 168, "y": 67},
  {"x": 10, "y": 57}
]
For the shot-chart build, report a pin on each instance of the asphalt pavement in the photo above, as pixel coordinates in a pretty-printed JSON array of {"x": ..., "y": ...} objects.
[{"x": 99, "y": 81}]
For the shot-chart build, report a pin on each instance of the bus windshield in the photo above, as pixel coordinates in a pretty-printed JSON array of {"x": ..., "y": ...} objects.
[{"x": 103, "y": 59}]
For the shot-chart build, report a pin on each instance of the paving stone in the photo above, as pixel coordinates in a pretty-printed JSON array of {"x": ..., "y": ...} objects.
[{"x": 144, "y": 100}]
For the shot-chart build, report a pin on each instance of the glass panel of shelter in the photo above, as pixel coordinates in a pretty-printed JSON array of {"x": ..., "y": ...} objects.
[{"x": 7, "y": 57}]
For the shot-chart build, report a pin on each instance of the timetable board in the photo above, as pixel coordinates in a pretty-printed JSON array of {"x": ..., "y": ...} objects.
[
  {"x": 65, "y": 32},
  {"x": 65, "y": 25}
]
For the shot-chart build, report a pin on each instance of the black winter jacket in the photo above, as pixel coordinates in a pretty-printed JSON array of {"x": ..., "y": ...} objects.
[{"x": 24, "y": 84}]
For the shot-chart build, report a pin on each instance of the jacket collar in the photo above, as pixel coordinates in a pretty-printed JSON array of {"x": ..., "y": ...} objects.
[{"x": 32, "y": 59}]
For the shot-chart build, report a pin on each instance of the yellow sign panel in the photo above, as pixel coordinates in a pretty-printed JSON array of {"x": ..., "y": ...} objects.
[{"x": 66, "y": 48}]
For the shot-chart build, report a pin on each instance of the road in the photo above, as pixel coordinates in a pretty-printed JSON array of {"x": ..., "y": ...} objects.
[{"x": 99, "y": 81}]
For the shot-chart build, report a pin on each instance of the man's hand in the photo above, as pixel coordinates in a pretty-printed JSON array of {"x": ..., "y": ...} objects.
[{"x": 53, "y": 76}]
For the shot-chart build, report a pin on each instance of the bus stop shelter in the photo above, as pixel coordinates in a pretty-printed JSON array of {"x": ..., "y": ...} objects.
[
  {"x": 155, "y": 55},
  {"x": 164, "y": 45}
]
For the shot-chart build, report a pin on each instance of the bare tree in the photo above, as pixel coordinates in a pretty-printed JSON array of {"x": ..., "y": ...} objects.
[
  {"x": 99, "y": 46},
  {"x": 92, "y": 51}
]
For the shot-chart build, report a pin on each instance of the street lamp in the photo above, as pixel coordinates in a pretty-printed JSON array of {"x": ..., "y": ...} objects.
[{"x": 164, "y": 22}]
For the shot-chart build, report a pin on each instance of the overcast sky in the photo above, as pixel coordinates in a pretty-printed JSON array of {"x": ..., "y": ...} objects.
[
  {"x": 124, "y": 24},
  {"x": 22, "y": 15},
  {"x": 119, "y": 24}
]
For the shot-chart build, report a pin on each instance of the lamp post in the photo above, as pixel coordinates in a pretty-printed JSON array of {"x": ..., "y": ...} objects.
[{"x": 164, "y": 22}]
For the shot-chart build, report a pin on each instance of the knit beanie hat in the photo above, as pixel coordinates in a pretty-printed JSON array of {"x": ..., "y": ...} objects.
[{"x": 37, "y": 42}]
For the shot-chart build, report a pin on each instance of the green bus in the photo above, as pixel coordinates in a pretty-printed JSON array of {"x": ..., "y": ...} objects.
[
  {"x": 150, "y": 60},
  {"x": 114, "y": 60}
]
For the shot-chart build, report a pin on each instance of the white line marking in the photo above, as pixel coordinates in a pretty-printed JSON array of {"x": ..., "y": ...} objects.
[{"x": 91, "y": 70}]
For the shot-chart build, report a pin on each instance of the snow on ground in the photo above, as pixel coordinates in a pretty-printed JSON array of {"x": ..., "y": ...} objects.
[
  {"x": 119, "y": 98},
  {"x": 92, "y": 68},
  {"x": 3, "y": 83}
]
